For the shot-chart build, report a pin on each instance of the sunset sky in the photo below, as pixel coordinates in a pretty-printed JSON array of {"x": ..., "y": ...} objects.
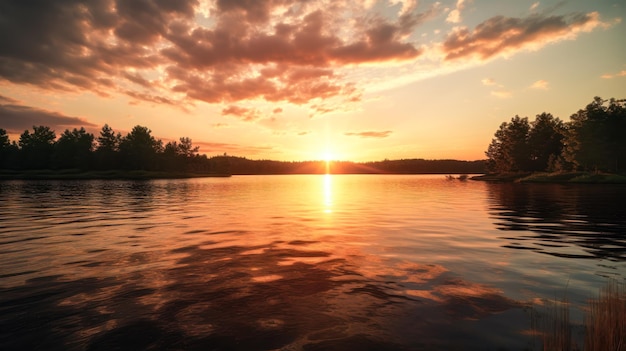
[{"x": 305, "y": 79}]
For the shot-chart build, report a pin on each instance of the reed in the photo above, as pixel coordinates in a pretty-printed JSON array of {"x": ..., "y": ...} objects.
[
  {"x": 604, "y": 322},
  {"x": 554, "y": 327},
  {"x": 605, "y": 319}
]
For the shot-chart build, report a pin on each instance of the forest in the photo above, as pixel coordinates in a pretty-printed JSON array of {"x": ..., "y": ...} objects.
[
  {"x": 40, "y": 149},
  {"x": 594, "y": 140}
]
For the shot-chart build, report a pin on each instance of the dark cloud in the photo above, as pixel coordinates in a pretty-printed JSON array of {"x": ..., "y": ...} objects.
[
  {"x": 137, "y": 96},
  {"x": 68, "y": 44},
  {"x": 233, "y": 149},
  {"x": 103, "y": 46},
  {"x": 382, "y": 40},
  {"x": 15, "y": 118},
  {"x": 500, "y": 34},
  {"x": 370, "y": 134},
  {"x": 137, "y": 79},
  {"x": 243, "y": 113}
]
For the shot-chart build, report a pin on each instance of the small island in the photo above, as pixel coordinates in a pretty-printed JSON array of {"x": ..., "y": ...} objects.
[{"x": 590, "y": 148}]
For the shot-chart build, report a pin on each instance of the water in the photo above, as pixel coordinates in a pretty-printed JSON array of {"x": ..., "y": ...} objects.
[{"x": 345, "y": 262}]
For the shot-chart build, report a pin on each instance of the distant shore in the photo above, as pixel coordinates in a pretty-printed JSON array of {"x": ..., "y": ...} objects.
[
  {"x": 555, "y": 177},
  {"x": 73, "y": 174}
]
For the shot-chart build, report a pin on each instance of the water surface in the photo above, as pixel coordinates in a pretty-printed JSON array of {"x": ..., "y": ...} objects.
[{"x": 359, "y": 262}]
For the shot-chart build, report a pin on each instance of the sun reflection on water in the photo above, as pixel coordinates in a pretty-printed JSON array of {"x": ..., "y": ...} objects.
[{"x": 328, "y": 193}]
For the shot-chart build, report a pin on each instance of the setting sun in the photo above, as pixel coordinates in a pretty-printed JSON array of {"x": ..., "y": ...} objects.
[{"x": 328, "y": 156}]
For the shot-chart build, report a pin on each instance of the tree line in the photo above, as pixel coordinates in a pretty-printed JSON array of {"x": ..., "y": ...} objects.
[
  {"x": 78, "y": 149},
  {"x": 593, "y": 140},
  {"x": 242, "y": 165},
  {"x": 139, "y": 150}
]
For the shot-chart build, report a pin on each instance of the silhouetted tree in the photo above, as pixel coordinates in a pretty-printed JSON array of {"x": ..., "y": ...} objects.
[
  {"x": 36, "y": 148},
  {"x": 108, "y": 140},
  {"x": 172, "y": 160},
  {"x": 509, "y": 151},
  {"x": 8, "y": 151},
  {"x": 74, "y": 149},
  {"x": 139, "y": 149},
  {"x": 4, "y": 139},
  {"x": 186, "y": 148},
  {"x": 545, "y": 140},
  {"x": 596, "y": 136},
  {"x": 107, "y": 151},
  {"x": 181, "y": 156}
]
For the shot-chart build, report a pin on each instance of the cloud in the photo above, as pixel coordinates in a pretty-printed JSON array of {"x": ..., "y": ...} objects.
[
  {"x": 370, "y": 134},
  {"x": 232, "y": 149},
  {"x": 243, "y": 113},
  {"x": 277, "y": 110},
  {"x": 534, "y": 6},
  {"x": 177, "y": 53},
  {"x": 74, "y": 45},
  {"x": 614, "y": 75},
  {"x": 488, "y": 81},
  {"x": 15, "y": 118},
  {"x": 112, "y": 46},
  {"x": 151, "y": 98},
  {"x": 455, "y": 15},
  {"x": 502, "y": 94},
  {"x": 540, "y": 84},
  {"x": 502, "y": 35}
]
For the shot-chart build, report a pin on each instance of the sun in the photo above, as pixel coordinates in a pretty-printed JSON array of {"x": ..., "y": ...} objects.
[{"x": 328, "y": 156}]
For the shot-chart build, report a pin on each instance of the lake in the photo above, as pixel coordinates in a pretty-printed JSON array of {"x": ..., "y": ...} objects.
[{"x": 307, "y": 262}]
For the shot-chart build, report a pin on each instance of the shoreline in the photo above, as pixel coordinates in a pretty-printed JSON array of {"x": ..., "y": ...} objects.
[
  {"x": 525, "y": 177},
  {"x": 554, "y": 178},
  {"x": 73, "y": 174}
]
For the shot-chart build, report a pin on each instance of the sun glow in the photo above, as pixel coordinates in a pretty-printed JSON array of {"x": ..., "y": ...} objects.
[{"x": 328, "y": 157}]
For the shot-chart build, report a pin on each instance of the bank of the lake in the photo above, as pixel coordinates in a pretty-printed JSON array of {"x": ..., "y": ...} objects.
[
  {"x": 75, "y": 174},
  {"x": 555, "y": 177}
]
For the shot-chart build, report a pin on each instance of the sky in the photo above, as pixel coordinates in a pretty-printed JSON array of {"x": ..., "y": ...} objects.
[{"x": 296, "y": 80}]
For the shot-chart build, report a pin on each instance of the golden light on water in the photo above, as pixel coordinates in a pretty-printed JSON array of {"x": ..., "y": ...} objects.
[{"x": 328, "y": 191}]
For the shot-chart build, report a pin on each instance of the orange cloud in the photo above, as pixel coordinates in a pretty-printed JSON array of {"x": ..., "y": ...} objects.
[
  {"x": 488, "y": 81},
  {"x": 370, "y": 134},
  {"x": 221, "y": 148},
  {"x": 614, "y": 75},
  {"x": 540, "y": 84},
  {"x": 503, "y": 35},
  {"x": 243, "y": 113},
  {"x": 455, "y": 15},
  {"x": 502, "y": 94}
]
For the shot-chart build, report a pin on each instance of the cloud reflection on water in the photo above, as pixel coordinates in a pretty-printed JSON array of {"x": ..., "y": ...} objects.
[
  {"x": 242, "y": 264},
  {"x": 247, "y": 296}
]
